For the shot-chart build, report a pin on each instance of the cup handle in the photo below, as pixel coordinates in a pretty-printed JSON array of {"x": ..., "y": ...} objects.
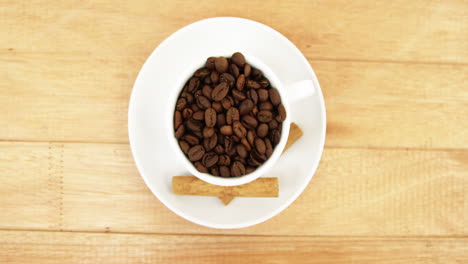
[{"x": 300, "y": 90}]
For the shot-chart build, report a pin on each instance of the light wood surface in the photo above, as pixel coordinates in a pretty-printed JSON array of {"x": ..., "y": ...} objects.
[{"x": 392, "y": 186}]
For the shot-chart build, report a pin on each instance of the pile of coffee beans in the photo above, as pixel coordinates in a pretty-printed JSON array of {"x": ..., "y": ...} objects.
[{"x": 228, "y": 119}]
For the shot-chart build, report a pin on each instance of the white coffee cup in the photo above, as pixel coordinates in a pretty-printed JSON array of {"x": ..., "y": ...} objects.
[{"x": 289, "y": 94}]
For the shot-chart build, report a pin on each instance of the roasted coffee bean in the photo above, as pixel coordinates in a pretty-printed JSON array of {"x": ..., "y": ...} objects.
[
  {"x": 247, "y": 70},
  {"x": 219, "y": 149},
  {"x": 242, "y": 151},
  {"x": 246, "y": 144},
  {"x": 187, "y": 113},
  {"x": 275, "y": 97},
  {"x": 221, "y": 140},
  {"x": 194, "y": 125},
  {"x": 177, "y": 119},
  {"x": 251, "y": 137},
  {"x": 184, "y": 146},
  {"x": 246, "y": 106},
  {"x": 194, "y": 83},
  {"x": 214, "y": 76},
  {"x": 181, "y": 104},
  {"x": 256, "y": 74},
  {"x": 217, "y": 106},
  {"x": 196, "y": 153},
  {"x": 249, "y": 170},
  {"x": 210, "y": 143},
  {"x": 210, "y": 63},
  {"x": 240, "y": 83},
  {"x": 252, "y": 95},
  {"x": 238, "y": 158},
  {"x": 238, "y": 95},
  {"x": 215, "y": 171},
  {"x": 249, "y": 121},
  {"x": 275, "y": 137},
  {"x": 253, "y": 84},
  {"x": 199, "y": 115},
  {"x": 224, "y": 160},
  {"x": 208, "y": 132},
  {"x": 258, "y": 156},
  {"x": 192, "y": 140},
  {"x": 237, "y": 169},
  {"x": 203, "y": 102},
  {"x": 207, "y": 80},
  {"x": 202, "y": 72},
  {"x": 235, "y": 138},
  {"x": 210, "y": 117},
  {"x": 264, "y": 116},
  {"x": 198, "y": 134},
  {"x": 268, "y": 147},
  {"x": 254, "y": 111},
  {"x": 234, "y": 70},
  {"x": 210, "y": 159},
  {"x": 220, "y": 91},
  {"x": 273, "y": 124},
  {"x": 238, "y": 59},
  {"x": 239, "y": 129},
  {"x": 262, "y": 130},
  {"x": 227, "y": 78},
  {"x": 266, "y": 106},
  {"x": 226, "y": 103},
  {"x": 226, "y": 130},
  {"x": 220, "y": 120},
  {"x": 232, "y": 115},
  {"x": 264, "y": 83},
  {"x": 180, "y": 131},
  {"x": 195, "y": 108},
  {"x": 221, "y": 64},
  {"x": 260, "y": 145},
  {"x": 199, "y": 166},
  {"x": 262, "y": 95},
  {"x": 207, "y": 90},
  {"x": 281, "y": 113},
  {"x": 229, "y": 147},
  {"x": 224, "y": 171},
  {"x": 188, "y": 97}
]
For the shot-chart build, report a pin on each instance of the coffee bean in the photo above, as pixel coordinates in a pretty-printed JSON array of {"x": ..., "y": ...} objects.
[
  {"x": 240, "y": 83},
  {"x": 249, "y": 121},
  {"x": 256, "y": 74},
  {"x": 246, "y": 144},
  {"x": 187, "y": 113},
  {"x": 235, "y": 138},
  {"x": 217, "y": 107},
  {"x": 199, "y": 166},
  {"x": 264, "y": 116},
  {"x": 254, "y": 111},
  {"x": 221, "y": 64},
  {"x": 237, "y": 169},
  {"x": 246, "y": 106},
  {"x": 229, "y": 146},
  {"x": 202, "y": 72},
  {"x": 253, "y": 84},
  {"x": 203, "y": 102},
  {"x": 238, "y": 95},
  {"x": 239, "y": 129},
  {"x": 247, "y": 70},
  {"x": 227, "y": 78},
  {"x": 210, "y": 143},
  {"x": 214, "y": 76},
  {"x": 251, "y": 137},
  {"x": 207, "y": 90},
  {"x": 208, "y": 132},
  {"x": 252, "y": 95},
  {"x": 184, "y": 146},
  {"x": 194, "y": 83},
  {"x": 224, "y": 171},
  {"x": 226, "y": 130},
  {"x": 281, "y": 113},
  {"x": 262, "y": 95},
  {"x": 210, "y": 117},
  {"x": 220, "y": 120},
  {"x": 241, "y": 151},
  {"x": 238, "y": 59},
  {"x": 260, "y": 145},
  {"x": 195, "y": 108},
  {"x": 181, "y": 104},
  {"x": 207, "y": 80},
  {"x": 188, "y": 97},
  {"x": 224, "y": 160},
  {"x": 215, "y": 171},
  {"x": 191, "y": 139},
  {"x": 220, "y": 91},
  {"x": 232, "y": 115},
  {"x": 219, "y": 149},
  {"x": 273, "y": 124},
  {"x": 262, "y": 130},
  {"x": 177, "y": 119},
  {"x": 210, "y": 159},
  {"x": 249, "y": 170},
  {"x": 258, "y": 156},
  {"x": 275, "y": 137},
  {"x": 226, "y": 103},
  {"x": 268, "y": 147},
  {"x": 264, "y": 83},
  {"x": 275, "y": 97},
  {"x": 196, "y": 153},
  {"x": 180, "y": 131},
  {"x": 234, "y": 70},
  {"x": 198, "y": 134},
  {"x": 266, "y": 106},
  {"x": 197, "y": 93},
  {"x": 199, "y": 115},
  {"x": 210, "y": 63}
]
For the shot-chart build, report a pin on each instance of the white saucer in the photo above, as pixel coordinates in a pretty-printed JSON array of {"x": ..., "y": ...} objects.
[{"x": 156, "y": 160}]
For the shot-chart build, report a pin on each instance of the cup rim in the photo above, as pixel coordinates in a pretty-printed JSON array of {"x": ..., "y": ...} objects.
[{"x": 262, "y": 169}]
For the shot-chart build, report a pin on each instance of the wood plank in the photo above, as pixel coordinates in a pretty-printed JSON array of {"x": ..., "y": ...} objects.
[
  {"x": 432, "y": 31},
  {"x": 57, "y": 247},
  {"x": 362, "y": 192},
  {"x": 368, "y": 104}
]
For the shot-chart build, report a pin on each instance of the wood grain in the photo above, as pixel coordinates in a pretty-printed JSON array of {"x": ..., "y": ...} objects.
[
  {"x": 355, "y": 192},
  {"x": 29, "y": 247}
]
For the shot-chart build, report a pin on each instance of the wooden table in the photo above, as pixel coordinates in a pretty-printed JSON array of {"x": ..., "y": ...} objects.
[{"x": 392, "y": 186}]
